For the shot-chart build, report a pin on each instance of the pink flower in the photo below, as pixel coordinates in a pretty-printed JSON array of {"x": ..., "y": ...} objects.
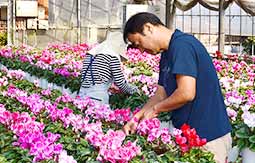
[
  {"x": 146, "y": 126},
  {"x": 36, "y": 83},
  {"x": 232, "y": 113}
]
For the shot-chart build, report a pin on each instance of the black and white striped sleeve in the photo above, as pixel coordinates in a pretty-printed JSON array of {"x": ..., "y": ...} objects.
[{"x": 118, "y": 77}]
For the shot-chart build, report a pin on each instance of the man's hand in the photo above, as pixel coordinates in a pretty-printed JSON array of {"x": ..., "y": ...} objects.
[
  {"x": 143, "y": 114},
  {"x": 131, "y": 126},
  {"x": 159, "y": 95},
  {"x": 150, "y": 113}
]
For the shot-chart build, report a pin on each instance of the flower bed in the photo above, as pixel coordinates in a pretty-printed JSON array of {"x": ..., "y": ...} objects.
[
  {"x": 60, "y": 64},
  {"x": 47, "y": 126},
  {"x": 236, "y": 79}
]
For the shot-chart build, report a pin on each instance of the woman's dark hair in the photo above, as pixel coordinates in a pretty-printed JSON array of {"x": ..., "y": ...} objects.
[{"x": 136, "y": 22}]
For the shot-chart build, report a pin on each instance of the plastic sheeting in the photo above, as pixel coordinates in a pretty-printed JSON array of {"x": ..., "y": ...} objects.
[{"x": 246, "y": 5}]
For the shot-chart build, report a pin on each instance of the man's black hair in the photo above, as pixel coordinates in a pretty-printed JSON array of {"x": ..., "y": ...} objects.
[{"x": 136, "y": 22}]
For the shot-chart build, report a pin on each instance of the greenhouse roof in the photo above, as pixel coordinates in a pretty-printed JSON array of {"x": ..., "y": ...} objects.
[
  {"x": 3, "y": 4},
  {"x": 246, "y": 5}
]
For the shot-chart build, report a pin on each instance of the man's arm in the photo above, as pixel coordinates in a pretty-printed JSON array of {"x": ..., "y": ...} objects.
[
  {"x": 160, "y": 95},
  {"x": 185, "y": 92}
]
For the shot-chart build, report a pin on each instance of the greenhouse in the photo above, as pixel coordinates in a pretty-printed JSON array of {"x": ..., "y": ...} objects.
[{"x": 127, "y": 81}]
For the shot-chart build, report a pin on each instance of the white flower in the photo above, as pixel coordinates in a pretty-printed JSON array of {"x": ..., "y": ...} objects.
[
  {"x": 245, "y": 107},
  {"x": 64, "y": 158},
  {"x": 236, "y": 84},
  {"x": 249, "y": 118},
  {"x": 227, "y": 103}
]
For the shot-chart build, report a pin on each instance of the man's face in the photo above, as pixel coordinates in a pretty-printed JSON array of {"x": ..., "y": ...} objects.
[{"x": 144, "y": 42}]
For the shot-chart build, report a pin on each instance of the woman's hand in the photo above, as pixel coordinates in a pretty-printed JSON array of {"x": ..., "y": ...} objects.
[{"x": 114, "y": 89}]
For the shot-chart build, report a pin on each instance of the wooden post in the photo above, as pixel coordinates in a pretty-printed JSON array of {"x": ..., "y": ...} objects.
[
  {"x": 221, "y": 40},
  {"x": 170, "y": 13}
]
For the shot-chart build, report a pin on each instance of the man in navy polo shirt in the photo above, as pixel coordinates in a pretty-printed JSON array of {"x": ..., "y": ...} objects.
[{"x": 188, "y": 85}]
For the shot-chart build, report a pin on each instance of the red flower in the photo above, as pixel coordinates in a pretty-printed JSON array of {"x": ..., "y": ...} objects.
[
  {"x": 46, "y": 59},
  {"x": 202, "y": 142},
  {"x": 184, "y": 148},
  {"x": 189, "y": 139},
  {"x": 185, "y": 127},
  {"x": 37, "y": 56},
  {"x": 218, "y": 54},
  {"x": 180, "y": 140}
]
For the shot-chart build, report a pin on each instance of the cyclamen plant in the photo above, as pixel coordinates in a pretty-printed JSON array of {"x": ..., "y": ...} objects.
[
  {"x": 103, "y": 142},
  {"x": 95, "y": 112},
  {"x": 237, "y": 81},
  {"x": 135, "y": 56},
  {"x": 62, "y": 59},
  {"x": 30, "y": 135},
  {"x": 36, "y": 104},
  {"x": 188, "y": 138}
]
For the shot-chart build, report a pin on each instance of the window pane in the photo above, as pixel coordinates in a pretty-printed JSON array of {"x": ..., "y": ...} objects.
[
  {"x": 204, "y": 24},
  {"x": 179, "y": 22},
  {"x": 187, "y": 24},
  {"x": 195, "y": 24},
  {"x": 246, "y": 25},
  {"x": 214, "y": 24},
  {"x": 235, "y": 24}
]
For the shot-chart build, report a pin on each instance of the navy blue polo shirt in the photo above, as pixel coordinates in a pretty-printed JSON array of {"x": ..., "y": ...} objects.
[{"x": 207, "y": 112}]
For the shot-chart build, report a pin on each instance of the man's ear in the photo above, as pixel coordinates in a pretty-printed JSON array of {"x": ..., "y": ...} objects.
[{"x": 147, "y": 28}]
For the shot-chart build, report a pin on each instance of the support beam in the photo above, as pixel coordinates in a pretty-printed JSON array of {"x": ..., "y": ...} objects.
[
  {"x": 252, "y": 49},
  {"x": 170, "y": 13},
  {"x": 79, "y": 21},
  {"x": 221, "y": 40},
  {"x": 14, "y": 21},
  {"x": 9, "y": 22}
]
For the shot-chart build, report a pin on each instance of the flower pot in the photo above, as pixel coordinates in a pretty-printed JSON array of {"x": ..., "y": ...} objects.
[
  {"x": 27, "y": 76},
  {"x": 233, "y": 154},
  {"x": 160, "y": 150},
  {"x": 165, "y": 124},
  {"x": 44, "y": 83},
  {"x": 248, "y": 155},
  {"x": 33, "y": 78},
  {"x": 72, "y": 94}
]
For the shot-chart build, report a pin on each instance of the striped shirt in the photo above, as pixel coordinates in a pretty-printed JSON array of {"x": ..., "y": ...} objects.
[{"x": 105, "y": 68}]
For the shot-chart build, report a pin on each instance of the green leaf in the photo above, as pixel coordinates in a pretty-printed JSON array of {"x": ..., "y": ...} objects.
[
  {"x": 252, "y": 147},
  {"x": 242, "y": 143},
  {"x": 70, "y": 147},
  {"x": 242, "y": 133},
  {"x": 92, "y": 161},
  {"x": 84, "y": 142},
  {"x": 84, "y": 152},
  {"x": 252, "y": 139}
]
